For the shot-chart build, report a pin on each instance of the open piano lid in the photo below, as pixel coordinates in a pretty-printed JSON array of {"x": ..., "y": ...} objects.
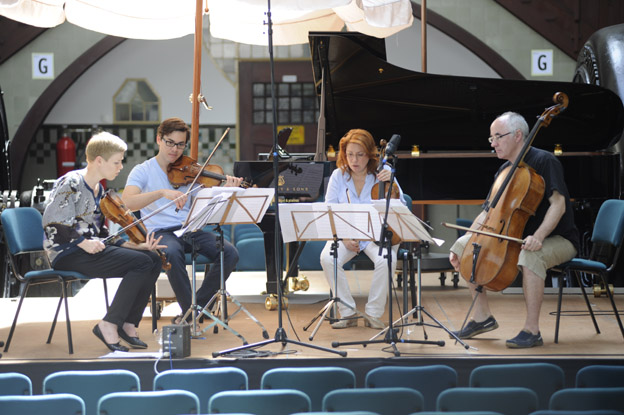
[{"x": 448, "y": 113}]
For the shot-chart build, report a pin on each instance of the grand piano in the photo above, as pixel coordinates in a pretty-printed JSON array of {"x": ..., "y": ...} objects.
[{"x": 447, "y": 118}]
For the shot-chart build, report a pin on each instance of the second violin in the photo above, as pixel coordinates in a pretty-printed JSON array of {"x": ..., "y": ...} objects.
[{"x": 185, "y": 169}]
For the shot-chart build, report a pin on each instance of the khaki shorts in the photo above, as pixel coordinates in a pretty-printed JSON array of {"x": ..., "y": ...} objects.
[{"x": 555, "y": 250}]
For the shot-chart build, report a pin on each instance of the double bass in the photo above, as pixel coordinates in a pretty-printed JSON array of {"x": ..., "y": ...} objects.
[{"x": 497, "y": 240}]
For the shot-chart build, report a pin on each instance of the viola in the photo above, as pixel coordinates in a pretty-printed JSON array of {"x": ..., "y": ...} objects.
[
  {"x": 497, "y": 240},
  {"x": 380, "y": 189},
  {"x": 185, "y": 169},
  {"x": 114, "y": 209}
]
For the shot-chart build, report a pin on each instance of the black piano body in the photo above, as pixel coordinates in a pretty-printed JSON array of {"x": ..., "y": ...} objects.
[
  {"x": 299, "y": 181},
  {"x": 444, "y": 121}
]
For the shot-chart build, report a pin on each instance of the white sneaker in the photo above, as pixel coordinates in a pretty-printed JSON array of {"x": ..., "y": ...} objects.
[
  {"x": 345, "y": 322},
  {"x": 373, "y": 322}
]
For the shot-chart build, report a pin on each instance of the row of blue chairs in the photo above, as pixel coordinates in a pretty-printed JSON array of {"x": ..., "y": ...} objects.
[
  {"x": 541, "y": 380},
  {"x": 381, "y": 401}
]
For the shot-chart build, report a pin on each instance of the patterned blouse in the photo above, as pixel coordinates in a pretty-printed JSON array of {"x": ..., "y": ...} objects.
[{"x": 72, "y": 215}]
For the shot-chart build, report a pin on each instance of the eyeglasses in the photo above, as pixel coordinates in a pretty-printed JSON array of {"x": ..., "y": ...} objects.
[
  {"x": 171, "y": 143},
  {"x": 497, "y": 137}
]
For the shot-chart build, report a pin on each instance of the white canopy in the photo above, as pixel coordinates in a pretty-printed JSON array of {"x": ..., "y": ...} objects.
[{"x": 242, "y": 21}]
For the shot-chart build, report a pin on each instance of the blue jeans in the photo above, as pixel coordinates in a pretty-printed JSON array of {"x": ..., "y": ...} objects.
[{"x": 205, "y": 244}]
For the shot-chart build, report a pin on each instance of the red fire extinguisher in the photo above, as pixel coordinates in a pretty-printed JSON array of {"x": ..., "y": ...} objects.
[{"x": 65, "y": 155}]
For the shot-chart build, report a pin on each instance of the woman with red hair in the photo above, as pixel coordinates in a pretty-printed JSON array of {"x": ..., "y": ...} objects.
[{"x": 352, "y": 182}]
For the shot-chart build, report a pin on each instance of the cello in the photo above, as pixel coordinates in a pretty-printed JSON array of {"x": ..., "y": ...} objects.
[{"x": 497, "y": 239}]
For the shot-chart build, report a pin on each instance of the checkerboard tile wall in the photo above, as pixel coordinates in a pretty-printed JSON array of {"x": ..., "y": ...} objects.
[{"x": 141, "y": 142}]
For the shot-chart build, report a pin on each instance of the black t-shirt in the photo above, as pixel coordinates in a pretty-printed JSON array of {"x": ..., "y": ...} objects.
[{"x": 547, "y": 166}]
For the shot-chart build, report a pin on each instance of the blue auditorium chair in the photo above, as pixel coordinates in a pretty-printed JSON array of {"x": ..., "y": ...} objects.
[
  {"x": 203, "y": 382},
  {"x": 508, "y": 401},
  {"x": 592, "y": 412},
  {"x": 384, "y": 401},
  {"x": 169, "y": 402},
  {"x": 587, "y": 399},
  {"x": 91, "y": 385},
  {"x": 260, "y": 402},
  {"x": 428, "y": 380},
  {"x": 315, "y": 382},
  {"x": 459, "y": 413},
  {"x": 61, "y": 404},
  {"x": 600, "y": 376},
  {"x": 13, "y": 383},
  {"x": 542, "y": 378}
]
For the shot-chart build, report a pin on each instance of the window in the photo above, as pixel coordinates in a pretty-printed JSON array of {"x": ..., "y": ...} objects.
[
  {"x": 296, "y": 103},
  {"x": 136, "y": 102}
]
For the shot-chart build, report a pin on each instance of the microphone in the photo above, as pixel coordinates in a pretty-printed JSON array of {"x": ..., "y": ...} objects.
[{"x": 392, "y": 146}]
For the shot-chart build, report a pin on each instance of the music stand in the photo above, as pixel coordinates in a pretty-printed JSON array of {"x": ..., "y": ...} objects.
[
  {"x": 329, "y": 222},
  {"x": 409, "y": 228},
  {"x": 309, "y": 230},
  {"x": 400, "y": 220},
  {"x": 280, "y": 333},
  {"x": 224, "y": 206}
]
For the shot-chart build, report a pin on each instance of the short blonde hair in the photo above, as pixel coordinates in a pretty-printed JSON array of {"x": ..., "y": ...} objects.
[{"x": 104, "y": 144}]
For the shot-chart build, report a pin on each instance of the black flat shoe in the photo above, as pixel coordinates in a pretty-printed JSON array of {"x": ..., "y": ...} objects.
[
  {"x": 135, "y": 342},
  {"x": 116, "y": 347}
]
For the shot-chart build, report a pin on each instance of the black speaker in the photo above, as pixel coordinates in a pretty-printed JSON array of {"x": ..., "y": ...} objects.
[{"x": 176, "y": 340}]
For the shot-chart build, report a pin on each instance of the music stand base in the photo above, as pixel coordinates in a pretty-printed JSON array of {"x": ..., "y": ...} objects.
[
  {"x": 280, "y": 337},
  {"x": 221, "y": 310},
  {"x": 391, "y": 339},
  {"x": 322, "y": 314},
  {"x": 438, "y": 324}
]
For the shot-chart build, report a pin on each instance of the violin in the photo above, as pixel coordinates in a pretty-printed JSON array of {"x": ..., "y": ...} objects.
[
  {"x": 497, "y": 241},
  {"x": 185, "y": 169},
  {"x": 114, "y": 209},
  {"x": 380, "y": 189}
]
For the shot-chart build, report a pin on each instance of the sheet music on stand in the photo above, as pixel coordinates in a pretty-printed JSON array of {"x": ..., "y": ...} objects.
[
  {"x": 223, "y": 206},
  {"x": 404, "y": 223},
  {"x": 312, "y": 221},
  {"x": 210, "y": 206}
]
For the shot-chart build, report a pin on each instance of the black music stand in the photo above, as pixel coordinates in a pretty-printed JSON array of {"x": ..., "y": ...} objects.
[
  {"x": 391, "y": 337},
  {"x": 280, "y": 333},
  {"x": 218, "y": 206},
  {"x": 328, "y": 222},
  {"x": 419, "y": 309}
]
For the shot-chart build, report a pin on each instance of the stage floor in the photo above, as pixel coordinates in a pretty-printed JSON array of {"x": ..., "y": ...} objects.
[{"x": 449, "y": 305}]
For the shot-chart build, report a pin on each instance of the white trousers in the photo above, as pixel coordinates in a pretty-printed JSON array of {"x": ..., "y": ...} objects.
[{"x": 379, "y": 285}]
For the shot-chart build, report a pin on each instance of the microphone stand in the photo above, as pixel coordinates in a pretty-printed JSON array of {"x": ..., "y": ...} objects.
[
  {"x": 280, "y": 333},
  {"x": 385, "y": 239}
]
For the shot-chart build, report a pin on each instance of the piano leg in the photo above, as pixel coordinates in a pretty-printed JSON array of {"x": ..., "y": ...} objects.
[{"x": 267, "y": 225}]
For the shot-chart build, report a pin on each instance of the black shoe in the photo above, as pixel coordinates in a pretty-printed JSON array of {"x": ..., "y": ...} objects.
[
  {"x": 135, "y": 342},
  {"x": 524, "y": 340},
  {"x": 473, "y": 328},
  {"x": 113, "y": 347}
]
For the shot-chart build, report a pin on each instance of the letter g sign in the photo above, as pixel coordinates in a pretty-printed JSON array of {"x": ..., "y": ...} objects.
[
  {"x": 542, "y": 62},
  {"x": 43, "y": 66}
]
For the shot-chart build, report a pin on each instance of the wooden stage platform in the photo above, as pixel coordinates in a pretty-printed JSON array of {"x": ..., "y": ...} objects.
[{"x": 578, "y": 346}]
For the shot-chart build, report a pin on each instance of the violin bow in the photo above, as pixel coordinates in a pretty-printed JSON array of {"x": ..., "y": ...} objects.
[
  {"x": 143, "y": 219},
  {"x": 492, "y": 234},
  {"x": 227, "y": 130}
]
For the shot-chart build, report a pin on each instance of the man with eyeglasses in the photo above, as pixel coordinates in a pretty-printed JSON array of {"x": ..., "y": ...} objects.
[
  {"x": 148, "y": 189},
  {"x": 550, "y": 237}
]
